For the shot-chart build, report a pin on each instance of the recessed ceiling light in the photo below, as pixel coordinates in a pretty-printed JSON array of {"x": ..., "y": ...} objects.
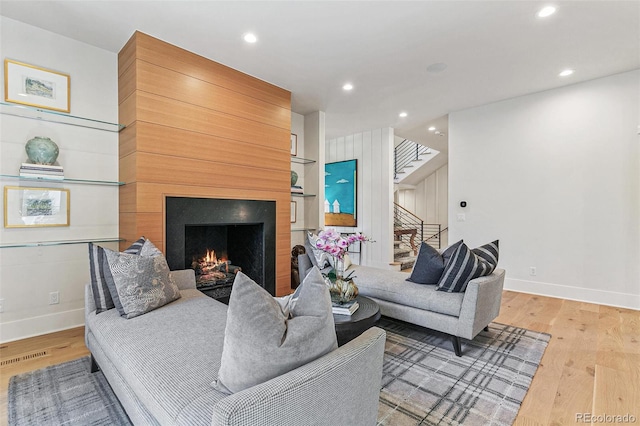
[
  {"x": 348, "y": 86},
  {"x": 250, "y": 38},
  {"x": 403, "y": 114},
  {"x": 431, "y": 129},
  {"x": 437, "y": 67},
  {"x": 546, "y": 11},
  {"x": 566, "y": 73}
]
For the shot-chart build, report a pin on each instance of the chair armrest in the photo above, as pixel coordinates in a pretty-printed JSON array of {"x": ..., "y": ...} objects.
[
  {"x": 185, "y": 279},
  {"x": 339, "y": 388},
  {"x": 481, "y": 304}
]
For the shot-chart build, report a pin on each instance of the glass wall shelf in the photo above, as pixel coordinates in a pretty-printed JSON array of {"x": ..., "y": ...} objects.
[
  {"x": 301, "y": 160},
  {"x": 65, "y": 180},
  {"x": 61, "y": 242},
  {"x": 294, "y": 194},
  {"x": 57, "y": 117},
  {"x": 302, "y": 229}
]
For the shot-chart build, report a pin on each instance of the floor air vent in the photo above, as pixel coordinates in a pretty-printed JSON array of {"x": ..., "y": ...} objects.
[{"x": 26, "y": 357}]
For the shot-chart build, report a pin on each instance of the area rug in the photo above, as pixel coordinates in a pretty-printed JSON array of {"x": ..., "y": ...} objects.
[
  {"x": 64, "y": 394},
  {"x": 423, "y": 382}
]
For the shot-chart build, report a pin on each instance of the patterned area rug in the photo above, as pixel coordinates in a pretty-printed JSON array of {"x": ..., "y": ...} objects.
[
  {"x": 64, "y": 394},
  {"x": 423, "y": 382}
]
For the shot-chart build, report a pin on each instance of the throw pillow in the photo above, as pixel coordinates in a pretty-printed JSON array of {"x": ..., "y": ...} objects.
[
  {"x": 488, "y": 253},
  {"x": 428, "y": 266},
  {"x": 261, "y": 343},
  {"x": 319, "y": 258},
  {"x": 100, "y": 290},
  {"x": 462, "y": 266},
  {"x": 141, "y": 283}
]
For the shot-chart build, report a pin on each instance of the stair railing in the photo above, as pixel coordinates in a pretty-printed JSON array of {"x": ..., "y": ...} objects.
[
  {"x": 406, "y": 152},
  {"x": 406, "y": 223}
]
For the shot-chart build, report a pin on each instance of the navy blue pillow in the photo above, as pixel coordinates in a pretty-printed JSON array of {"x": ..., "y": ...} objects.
[{"x": 428, "y": 266}]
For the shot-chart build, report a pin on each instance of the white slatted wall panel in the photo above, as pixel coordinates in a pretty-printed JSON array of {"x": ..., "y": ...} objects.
[{"x": 374, "y": 152}]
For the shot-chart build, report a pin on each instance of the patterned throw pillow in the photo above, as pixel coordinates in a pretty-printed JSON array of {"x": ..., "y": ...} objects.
[
  {"x": 141, "y": 283},
  {"x": 318, "y": 257},
  {"x": 101, "y": 295},
  {"x": 428, "y": 266},
  {"x": 255, "y": 320},
  {"x": 488, "y": 253},
  {"x": 463, "y": 266}
]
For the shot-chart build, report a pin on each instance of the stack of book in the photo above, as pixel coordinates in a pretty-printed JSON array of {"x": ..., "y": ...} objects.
[
  {"x": 347, "y": 308},
  {"x": 42, "y": 171},
  {"x": 295, "y": 189}
]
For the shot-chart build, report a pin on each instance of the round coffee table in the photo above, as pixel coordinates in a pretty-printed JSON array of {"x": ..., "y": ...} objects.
[{"x": 348, "y": 327}]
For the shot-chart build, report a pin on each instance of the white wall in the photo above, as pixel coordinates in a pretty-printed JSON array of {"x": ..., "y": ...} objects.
[
  {"x": 429, "y": 199},
  {"x": 374, "y": 152},
  {"x": 555, "y": 177},
  {"x": 27, "y": 275}
]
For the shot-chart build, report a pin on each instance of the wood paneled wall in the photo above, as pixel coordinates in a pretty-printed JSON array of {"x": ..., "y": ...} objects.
[{"x": 196, "y": 128}]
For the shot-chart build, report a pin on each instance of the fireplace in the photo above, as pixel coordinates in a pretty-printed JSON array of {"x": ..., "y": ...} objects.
[{"x": 219, "y": 237}]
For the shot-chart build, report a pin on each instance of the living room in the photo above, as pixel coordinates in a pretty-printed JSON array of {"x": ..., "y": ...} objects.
[{"x": 563, "y": 200}]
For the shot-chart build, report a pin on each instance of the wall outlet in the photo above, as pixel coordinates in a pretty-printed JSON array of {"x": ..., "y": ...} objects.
[
  {"x": 1, "y": 306},
  {"x": 532, "y": 271},
  {"x": 54, "y": 297}
]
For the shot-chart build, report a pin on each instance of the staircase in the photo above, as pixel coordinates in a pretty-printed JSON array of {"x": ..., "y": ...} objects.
[
  {"x": 409, "y": 231},
  {"x": 406, "y": 155}
]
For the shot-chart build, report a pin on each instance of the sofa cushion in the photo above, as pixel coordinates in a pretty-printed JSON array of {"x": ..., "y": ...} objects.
[
  {"x": 186, "y": 337},
  {"x": 140, "y": 283},
  {"x": 428, "y": 266},
  {"x": 463, "y": 266},
  {"x": 391, "y": 286},
  {"x": 261, "y": 342},
  {"x": 101, "y": 294}
]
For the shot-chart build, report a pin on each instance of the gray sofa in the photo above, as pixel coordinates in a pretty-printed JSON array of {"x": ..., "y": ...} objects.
[
  {"x": 161, "y": 366},
  {"x": 461, "y": 315}
]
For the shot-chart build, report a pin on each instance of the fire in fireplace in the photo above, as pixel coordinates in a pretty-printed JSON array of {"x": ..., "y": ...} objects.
[{"x": 213, "y": 270}]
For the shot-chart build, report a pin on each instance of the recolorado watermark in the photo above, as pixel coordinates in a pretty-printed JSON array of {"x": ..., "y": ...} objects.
[{"x": 605, "y": 418}]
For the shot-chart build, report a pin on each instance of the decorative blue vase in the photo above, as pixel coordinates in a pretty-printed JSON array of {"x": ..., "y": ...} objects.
[{"x": 41, "y": 150}]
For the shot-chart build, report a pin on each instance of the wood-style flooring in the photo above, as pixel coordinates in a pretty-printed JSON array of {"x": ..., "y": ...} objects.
[{"x": 591, "y": 366}]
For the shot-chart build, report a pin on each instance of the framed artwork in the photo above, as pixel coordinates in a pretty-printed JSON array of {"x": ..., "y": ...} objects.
[
  {"x": 294, "y": 211},
  {"x": 35, "y": 207},
  {"x": 37, "y": 87},
  {"x": 294, "y": 144},
  {"x": 340, "y": 183}
]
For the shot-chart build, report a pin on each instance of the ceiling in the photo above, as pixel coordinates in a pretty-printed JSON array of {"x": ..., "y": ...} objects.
[{"x": 493, "y": 50}]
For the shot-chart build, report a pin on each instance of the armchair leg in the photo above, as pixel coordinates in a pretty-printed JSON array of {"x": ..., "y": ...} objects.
[
  {"x": 456, "y": 345},
  {"x": 94, "y": 365},
  {"x": 486, "y": 328}
]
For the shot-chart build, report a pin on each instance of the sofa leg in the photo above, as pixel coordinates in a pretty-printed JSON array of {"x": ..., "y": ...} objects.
[
  {"x": 456, "y": 345},
  {"x": 486, "y": 328},
  {"x": 94, "y": 365}
]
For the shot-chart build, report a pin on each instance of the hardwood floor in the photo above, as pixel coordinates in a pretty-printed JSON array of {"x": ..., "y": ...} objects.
[{"x": 591, "y": 366}]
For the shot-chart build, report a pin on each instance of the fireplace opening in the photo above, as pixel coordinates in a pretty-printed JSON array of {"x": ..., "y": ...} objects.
[
  {"x": 218, "y": 252},
  {"x": 240, "y": 234}
]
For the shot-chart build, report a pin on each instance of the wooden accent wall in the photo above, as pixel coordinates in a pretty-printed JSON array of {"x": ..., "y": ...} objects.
[{"x": 196, "y": 128}]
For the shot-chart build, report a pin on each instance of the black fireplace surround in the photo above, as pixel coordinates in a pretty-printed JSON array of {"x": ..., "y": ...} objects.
[{"x": 243, "y": 230}]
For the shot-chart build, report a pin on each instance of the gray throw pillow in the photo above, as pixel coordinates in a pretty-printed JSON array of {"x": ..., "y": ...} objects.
[
  {"x": 319, "y": 258},
  {"x": 261, "y": 342},
  {"x": 97, "y": 272},
  {"x": 489, "y": 253},
  {"x": 141, "y": 283},
  {"x": 428, "y": 266}
]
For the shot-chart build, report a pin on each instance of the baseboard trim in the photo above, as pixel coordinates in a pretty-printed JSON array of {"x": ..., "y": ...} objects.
[
  {"x": 578, "y": 294},
  {"x": 37, "y": 326}
]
